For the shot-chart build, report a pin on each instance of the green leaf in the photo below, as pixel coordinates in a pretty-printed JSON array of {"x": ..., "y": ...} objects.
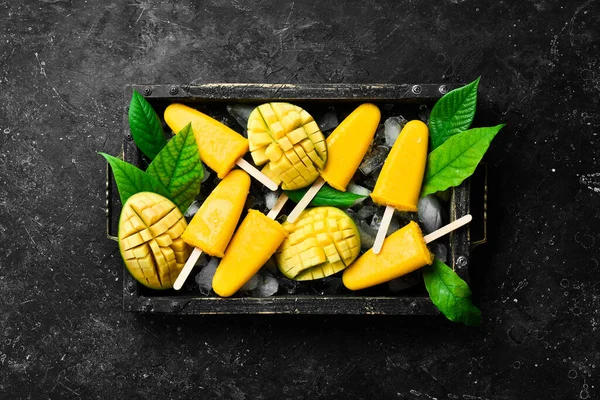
[
  {"x": 450, "y": 294},
  {"x": 327, "y": 196},
  {"x": 456, "y": 159},
  {"x": 179, "y": 169},
  {"x": 453, "y": 113},
  {"x": 145, "y": 126},
  {"x": 131, "y": 180}
]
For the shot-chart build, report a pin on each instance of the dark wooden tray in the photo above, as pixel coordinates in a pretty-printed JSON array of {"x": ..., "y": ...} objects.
[{"x": 216, "y": 96}]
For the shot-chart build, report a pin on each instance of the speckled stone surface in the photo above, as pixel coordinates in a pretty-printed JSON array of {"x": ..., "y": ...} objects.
[{"x": 63, "y": 66}]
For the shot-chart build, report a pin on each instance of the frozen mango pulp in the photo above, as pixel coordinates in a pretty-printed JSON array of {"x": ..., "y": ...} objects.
[
  {"x": 213, "y": 225},
  {"x": 403, "y": 251},
  {"x": 348, "y": 144},
  {"x": 399, "y": 183},
  {"x": 288, "y": 140},
  {"x": 255, "y": 241},
  {"x": 219, "y": 146}
]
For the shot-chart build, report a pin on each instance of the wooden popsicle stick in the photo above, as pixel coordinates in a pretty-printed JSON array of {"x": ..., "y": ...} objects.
[
  {"x": 283, "y": 198},
  {"x": 306, "y": 199},
  {"x": 448, "y": 228},
  {"x": 256, "y": 174},
  {"x": 187, "y": 268},
  {"x": 383, "y": 228}
]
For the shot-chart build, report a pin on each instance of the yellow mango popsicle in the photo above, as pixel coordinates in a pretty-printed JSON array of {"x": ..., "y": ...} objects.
[
  {"x": 213, "y": 225},
  {"x": 346, "y": 147},
  {"x": 403, "y": 251},
  {"x": 247, "y": 252},
  {"x": 348, "y": 144},
  {"x": 219, "y": 146},
  {"x": 399, "y": 183}
]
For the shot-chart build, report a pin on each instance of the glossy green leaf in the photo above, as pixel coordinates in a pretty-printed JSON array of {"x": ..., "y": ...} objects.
[
  {"x": 327, "y": 196},
  {"x": 450, "y": 294},
  {"x": 131, "y": 180},
  {"x": 145, "y": 126},
  {"x": 456, "y": 159},
  {"x": 179, "y": 169},
  {"x": 453, "y": 113}
]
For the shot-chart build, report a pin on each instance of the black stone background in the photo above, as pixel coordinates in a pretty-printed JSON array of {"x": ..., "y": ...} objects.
[{"x": 63, "y": 66}]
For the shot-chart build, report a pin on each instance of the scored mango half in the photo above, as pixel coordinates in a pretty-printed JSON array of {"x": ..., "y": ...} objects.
[
  {"x": 150, "y": 228},
  {"x": 288, "y": 140},
  {"x": 322, "y": 241}
]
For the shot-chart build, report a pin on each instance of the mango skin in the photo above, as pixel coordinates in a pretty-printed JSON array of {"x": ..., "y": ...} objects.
[{"x": 150, "y": 228}]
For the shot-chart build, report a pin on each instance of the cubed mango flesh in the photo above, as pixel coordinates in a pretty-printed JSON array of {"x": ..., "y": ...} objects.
[
  {"x": 150, "y": 227},
  {"x": 287, "y": 140},
  {"x": 321, "y": 242}
]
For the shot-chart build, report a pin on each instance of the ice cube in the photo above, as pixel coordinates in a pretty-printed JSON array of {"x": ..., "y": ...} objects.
[
  {"x": 367, "y": 234},
  {"x": 288, "y": 285},
  {"x": 366, "y": 213},
  {"x": 404, "y": 217},
  {"x": 393, "y": 227},
  {"x": 376, "y": 223},
  {"x": 393, "y": 126},
  {"x": 430, "y": 213},
  {"x": 370, "y": 181},
  {"x": 404, "y": 282},
  {"x": 268, "y": 286},
  {"x": 205, "y": 176},
  {"x": 251, "y": 284},
  {"x": 205, "y": 276},
  {"x": 328, "y": 121},
  {"x": 202, "y": 260},
  {"x": 379, "y": 138},
  {"x": 440, "y": 251},
  {"x": 192, "y": 209},
  {"x": 374, "y": 159},
  {"x": 271, "y": 199},
  {"x": 241, "y": 113},
  {"x": 357, "y": 189}
]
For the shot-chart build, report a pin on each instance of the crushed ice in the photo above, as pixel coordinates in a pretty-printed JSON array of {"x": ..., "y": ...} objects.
[
  {"x": 328, "y": 121},
  {"x": 241, "y": 113},
  {"x": 192, "y": 209},
  {"x": 393, "y": 126},
  {"x": 271, "y": 199},
  {"x": 374, "y": 159},
  {"x": 205, "y": 276},
  {"x": 267, "y": 285},
  {"x": 430, "y": 213}
]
